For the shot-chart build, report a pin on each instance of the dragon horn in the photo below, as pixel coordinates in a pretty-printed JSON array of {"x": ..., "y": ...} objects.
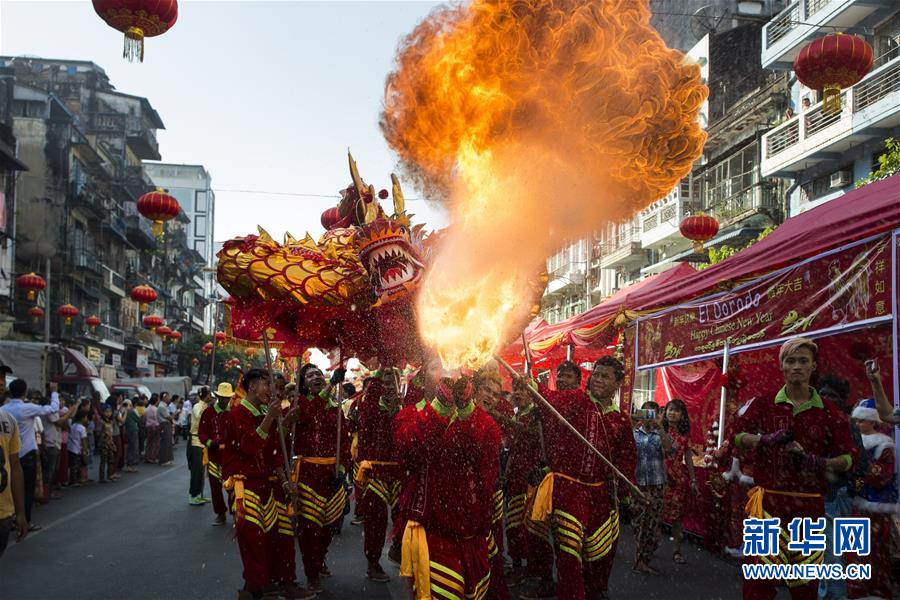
[
  {"x": 371, "y": 209},
  {"x": 264, "y": 236},
  {"x": 354, "y": 174},
  {"x": 397, "y": 193}
]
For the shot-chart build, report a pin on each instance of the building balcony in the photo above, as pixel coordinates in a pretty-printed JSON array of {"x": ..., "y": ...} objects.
[
  {"x": 660, "y": 223},
  {"x": 870, "y": 109},
  {"x": 625, "y": 252},
  {"x": 106, "y": 335},
  {"x": 563, "y": 278},
  {"x": 84, "y": 260},
  {"x": 804, "y": 20},
  {"x": 89, "y": 198},
  {"x": 141, "y": 139},
  {"x": 113, "y": 282},
  {"x": 760, "y": 200},
  {"x": 138, "y": 229}
]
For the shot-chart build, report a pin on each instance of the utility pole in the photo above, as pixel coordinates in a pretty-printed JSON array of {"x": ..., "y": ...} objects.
[{"x": 48, "y": 304}]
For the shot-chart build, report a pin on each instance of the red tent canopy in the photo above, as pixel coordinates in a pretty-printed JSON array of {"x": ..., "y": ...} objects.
[
  {"x": 856, "y": 215},
  {"x": 591, "y": 331}
]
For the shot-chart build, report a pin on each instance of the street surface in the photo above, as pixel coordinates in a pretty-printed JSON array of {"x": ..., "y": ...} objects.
[{"x": 139, "y": 538}]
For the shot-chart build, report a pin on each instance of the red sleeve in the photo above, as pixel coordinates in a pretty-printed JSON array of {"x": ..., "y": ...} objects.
[
  {"x": 247, "y": 437},
  {"x": 487, "y": 435},
  {"x": 203, "y": 428},
  {"x": 416, "y": 434},
  {"x": 748, "y": 419},
  {"x": 626, "y": 452}
]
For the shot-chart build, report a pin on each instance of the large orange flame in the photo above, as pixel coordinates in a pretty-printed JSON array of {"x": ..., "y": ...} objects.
[{"x": 536, "y": 121}]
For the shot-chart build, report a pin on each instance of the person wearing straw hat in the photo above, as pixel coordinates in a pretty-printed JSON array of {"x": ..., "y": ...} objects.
[
  {"x": 797, "y": 438},
  {"x": 211, "y": 436}
]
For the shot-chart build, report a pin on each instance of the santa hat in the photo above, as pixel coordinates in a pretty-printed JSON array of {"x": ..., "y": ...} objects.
[{"x": 865, "y": 411}]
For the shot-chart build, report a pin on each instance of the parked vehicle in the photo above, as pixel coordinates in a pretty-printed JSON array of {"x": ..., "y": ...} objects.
[
  {"x": 130, "y": 390},
  {"x": 39, "y": 364},
  {"x": 157, "y": 385}
]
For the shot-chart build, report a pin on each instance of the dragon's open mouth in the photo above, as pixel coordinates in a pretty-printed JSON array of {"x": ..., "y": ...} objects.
[{"x": 392, "y": 266}]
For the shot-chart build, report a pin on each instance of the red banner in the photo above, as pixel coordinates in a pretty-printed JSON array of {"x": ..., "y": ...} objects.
[{"x": 830, "y": 292}]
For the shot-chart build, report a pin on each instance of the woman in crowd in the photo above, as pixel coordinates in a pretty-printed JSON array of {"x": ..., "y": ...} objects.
[
  {"x": 654, "y": 444},
  {"x": 151, "y": 422},
  {"x": 132, "y": 432},
  {"x": 166, "y": 434},
  {"x": 681, "y": 486}
]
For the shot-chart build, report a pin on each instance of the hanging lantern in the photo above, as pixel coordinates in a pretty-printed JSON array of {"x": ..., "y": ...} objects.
[
  {"x": 137, "y": 19},
  {"x": 195, "y": 361},
  {"x": 175, "y": 336},
  {"x": 143, "y": 295},
  {"x": 93, "y": 322},
  {"x": 31, "y": 282},
  {"x": 832, "y": 63},
  {"x": 151, "y": 322},
  {"x": 220, "y": 337},
  {"x": 700, "y": 228},
  {"x": 163, "y": 331},
  {"x": 68, "y": 312},
  {"x": 207, "y": 348},
  {"x": 36, "y": 313},
  {"x": 159, "y": 207}
]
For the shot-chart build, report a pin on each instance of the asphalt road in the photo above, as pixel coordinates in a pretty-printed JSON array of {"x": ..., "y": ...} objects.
[{"x": 139, "y": 538}]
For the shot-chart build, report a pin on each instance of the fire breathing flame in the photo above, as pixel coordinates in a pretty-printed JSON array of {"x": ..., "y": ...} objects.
[{"x": 536, "y": 122}]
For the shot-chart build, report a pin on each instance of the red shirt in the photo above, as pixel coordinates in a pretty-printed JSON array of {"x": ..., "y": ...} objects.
[
  {"x": 316, "y": 431},
  {"x": 454, "y": 465},
  {"x": 819, "y": 426},
  {"x": 376, "y": 424},
  {"x": 249, "y": 451},
  {"x": 211, "y": 430},
  {"x": 610, "y": 433},
  {"x": 524, "y": 451}
]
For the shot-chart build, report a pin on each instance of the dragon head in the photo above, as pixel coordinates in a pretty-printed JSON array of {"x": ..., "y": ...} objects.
[{"x": 391, "y": 253}]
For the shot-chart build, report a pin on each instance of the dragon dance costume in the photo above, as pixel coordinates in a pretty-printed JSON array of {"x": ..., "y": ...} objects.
[
  {"x": 452, "y": 455},
  {"x": 322, "y": 499},
  {"x": 782, "y": 489},
  {"x": 528, "y": 540},
  {"x": 378, "y": 474},
  {"x": 578, "y": 495},
  {"x": 251, "y": 462},
  {"x": 211, "y": 433}
]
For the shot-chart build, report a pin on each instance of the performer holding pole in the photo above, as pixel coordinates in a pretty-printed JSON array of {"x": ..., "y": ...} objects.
[
  {"x": 579, "y": 492},
  {"x": 319, "y": 467},
  {"x": 262, "y": 524}
]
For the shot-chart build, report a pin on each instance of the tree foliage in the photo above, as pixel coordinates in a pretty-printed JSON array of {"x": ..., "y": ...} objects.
[
  {"x": 717, "y": 255},
  {"x": 888, "y": 163}
]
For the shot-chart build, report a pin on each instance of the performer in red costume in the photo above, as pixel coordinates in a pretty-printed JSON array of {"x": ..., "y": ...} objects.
[
  {"x": 450, "y": 447},
  {"x": 580, "y": 491},
  {"x": 797, "y": 438},
  {"x": 255, "y": 467},
  {"x": 523, "y": 464},
  {"x": 322, "y": 495},
  {"x": 378, "y": 474},
  {"x": 211, "y": 433}
]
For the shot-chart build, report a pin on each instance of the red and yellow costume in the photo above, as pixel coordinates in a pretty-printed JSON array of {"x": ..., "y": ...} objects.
[
  {"x": 251, "y": 462},
  {"x": 321, "y": 500},
  {"x": 678, "y": 480},
  {"x": 378, "y": 474},
  {"x": 528, "y": 540},
  {"x": 452, "y": 456},
  {"x": 580, "y": 490},
  {"x": 782, "y": 490},
  {"x": 211, "y": 432}
]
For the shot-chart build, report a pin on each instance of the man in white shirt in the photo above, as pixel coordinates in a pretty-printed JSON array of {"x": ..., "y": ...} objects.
[
  {"x": 24, "y": 414},
  {"x": 54, "y": 423}
]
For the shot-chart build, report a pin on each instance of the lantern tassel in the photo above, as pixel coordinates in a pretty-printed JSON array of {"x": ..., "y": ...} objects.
[
  {"x": 698, "y": 246},
  {"x": 831, "y": 99},
  {"x": 134, "y": 44},
  {"x": 158, "y": 228}
]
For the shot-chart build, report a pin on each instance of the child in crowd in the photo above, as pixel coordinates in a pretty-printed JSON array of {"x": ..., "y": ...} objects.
[
  {"x": 108, "y": 456},
  {"x": 76, "y": 446}
]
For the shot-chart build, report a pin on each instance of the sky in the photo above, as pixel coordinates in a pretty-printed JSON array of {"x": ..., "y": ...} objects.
[{"x": 268, "y": 96}]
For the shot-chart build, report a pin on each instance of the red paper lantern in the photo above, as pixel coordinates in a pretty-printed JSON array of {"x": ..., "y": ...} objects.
[
  {"x": 700, "y": 228},
  {"x": 220, "y": 337},
  {"x": 195, "y": 361},
  {"x": 832, "y": 63},
  {"x": 137, "y": 19},
  {"x": 159, "y": 207},
  {"x": 143, "y": 295},
  {"x": 68, "y": 312},
  {"x": 163, "y": 331},
  {"x": 93, "y": 322},
  {"x": 36, "y": 313},
  {"x": 151, "y": 322},
  {"x": 31, "y": 282},
  {"x": 207, "y": 347},
  {"x": 175, "y": 336}
]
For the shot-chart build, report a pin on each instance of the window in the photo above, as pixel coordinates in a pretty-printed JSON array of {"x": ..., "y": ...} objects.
[
  {"x": 200, "y": 201},
  {"x": 200, "y": 246},
  {"x": 200, "y": 226}
]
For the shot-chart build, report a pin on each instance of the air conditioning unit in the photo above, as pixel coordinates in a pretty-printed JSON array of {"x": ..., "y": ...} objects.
[{"x": 840, "y": 179}]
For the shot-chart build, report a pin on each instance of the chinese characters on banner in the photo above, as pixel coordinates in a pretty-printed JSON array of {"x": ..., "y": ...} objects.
[{"x": 838, "y": 289}]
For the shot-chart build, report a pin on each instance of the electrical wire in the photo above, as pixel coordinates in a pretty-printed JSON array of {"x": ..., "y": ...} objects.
[{"x": 292, "y": 194}]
